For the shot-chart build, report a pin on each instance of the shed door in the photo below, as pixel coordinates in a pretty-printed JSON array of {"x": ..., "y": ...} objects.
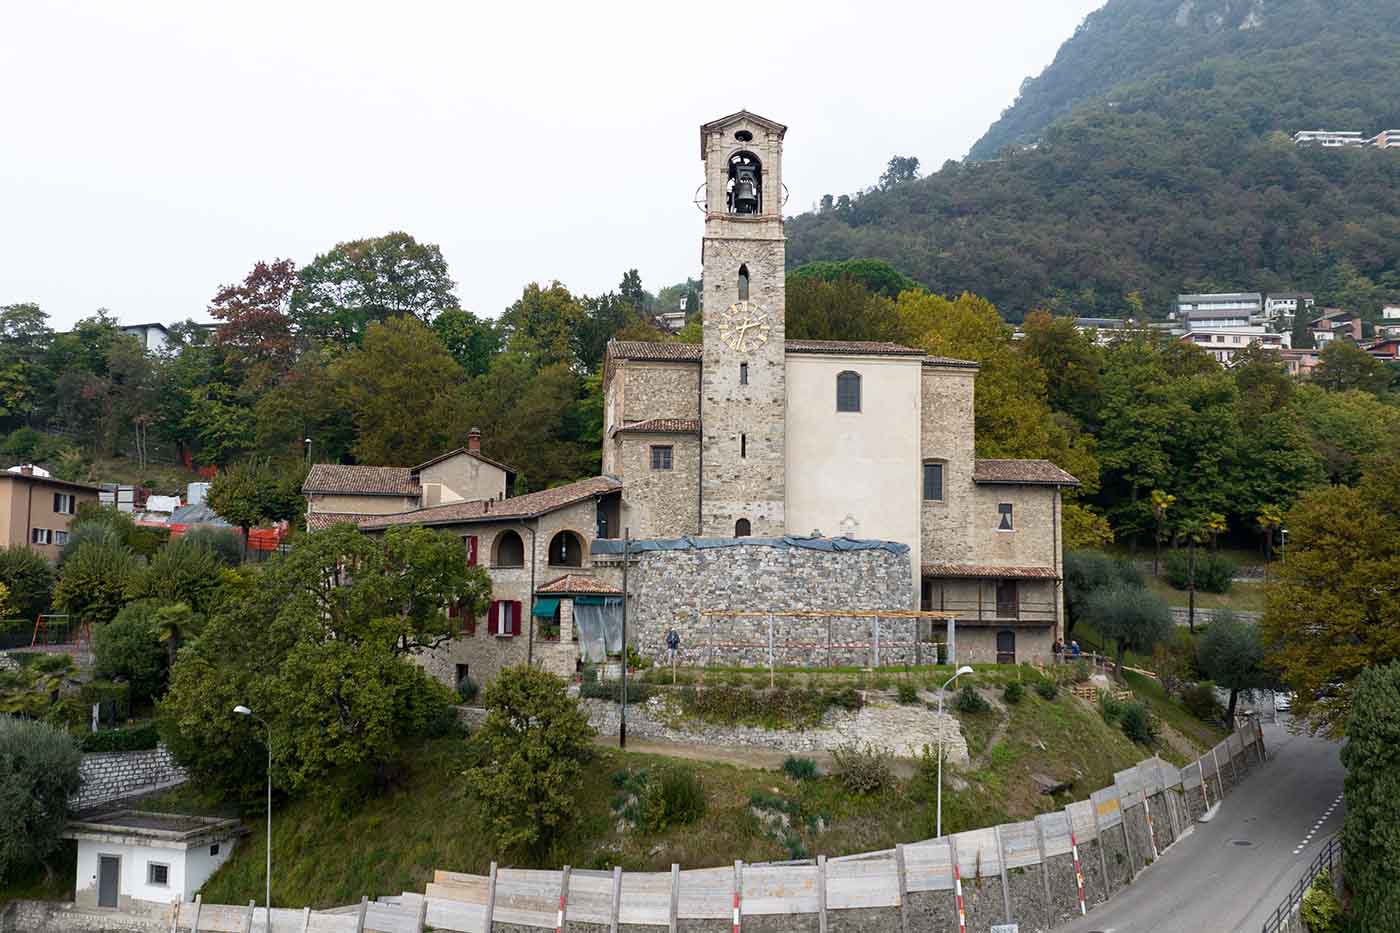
[
  {"x": 108, "y": 871},
  {"x": 1006, "y": 647}
]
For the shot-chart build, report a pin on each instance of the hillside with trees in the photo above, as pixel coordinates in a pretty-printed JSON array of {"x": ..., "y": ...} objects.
[{"x": 1153, "y": 157}]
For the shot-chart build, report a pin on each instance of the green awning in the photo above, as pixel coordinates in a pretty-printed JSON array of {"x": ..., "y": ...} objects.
[
  {"x": 588, "y": 600},
  {"x": 545, "y": 607}
]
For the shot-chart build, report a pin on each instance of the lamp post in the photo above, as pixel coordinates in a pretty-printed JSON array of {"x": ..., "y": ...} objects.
[
  {"x": 245, "y": 711},
  {"x": 938, "y": 830}
]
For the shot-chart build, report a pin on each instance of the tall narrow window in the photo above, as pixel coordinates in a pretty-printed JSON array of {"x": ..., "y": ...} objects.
[
  {"x": 743, "y": 445},
  {"x": 742, "y": 528},
  {"x": 743, "y": 374},
  {"x": 743, "y": 283},
  {"x": 933, "y": 482},
  {"x": 1004, "y": 522},
  {"x": 661, "y": 457},
  {"x": 848, "y": 391}
]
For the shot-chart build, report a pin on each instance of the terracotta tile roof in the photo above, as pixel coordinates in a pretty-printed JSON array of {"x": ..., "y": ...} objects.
[
  {"x": 948, "y": 361},
  {"x": 576, "y": 584},
  {"x": 661, "y": 426},
  {"x": 988, "y": 571},
  {"x": 488, "y": 510},
  {"x": 694, "y": 352},
  {"x": 655, "y": 352},
  {"x": 476, "y": 455},
  {"x": 1021, "y": 472},
  {"x": 319, "y": 521},
  {"x": 360, "y": 480},
  {"x": 866, "y": 347}
]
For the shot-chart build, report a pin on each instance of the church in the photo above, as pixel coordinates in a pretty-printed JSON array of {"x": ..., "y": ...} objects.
[{"x": 746, "y": 445}]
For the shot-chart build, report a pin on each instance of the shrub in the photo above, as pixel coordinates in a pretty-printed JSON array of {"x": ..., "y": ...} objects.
[
  {"x": 800, "y": 769},
  {"x": 1014, "y": 692},
  {"x": 611, "y": 690},
  {"x": 21, "y": 443},
  {"x": 49, "y": 663},
  {"x": 1214, "y": 572},
  {"x": 39, "y": 776},
  {"x": 1110, "y": 708},
  {"x": 1199, "y": 700},
  {"x": 223, "y": 543},
  {"x": 1047, "y": 690},
  {"x": 29, "y": 578},
  {"x": 671, "y": 796},
  {"x": 863, "y": 769},
  {"x": 113, "y": 697},
  {"x": 1321, "y": 911},
  {"x": 132, "y": 739},
  {"x": 130, "y": 647},
  {"x": 534, "y": 743},
  {"x": 1138, "y": 724},
  {"x": 908, "y": 693},
  {"x": 847, "y": 698},
  {"x": 1081, "y": 672},
  {"x": 467, "y": 689},
  {"x": 970, "y": 701}
]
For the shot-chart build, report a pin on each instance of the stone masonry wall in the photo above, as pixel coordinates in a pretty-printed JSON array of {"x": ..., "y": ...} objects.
[
  {"x": 109, "y": 776},
  {"x": 669, "y": 589},
  {"x": 659, "y": 503},
  {"x": 904, "y": 730}
]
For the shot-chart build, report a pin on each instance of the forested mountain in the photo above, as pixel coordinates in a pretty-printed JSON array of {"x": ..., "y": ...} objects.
[{"x": 1161, "y": 163}]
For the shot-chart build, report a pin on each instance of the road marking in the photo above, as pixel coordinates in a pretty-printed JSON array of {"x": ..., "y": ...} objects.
[{"x": 1326, "y": 815}]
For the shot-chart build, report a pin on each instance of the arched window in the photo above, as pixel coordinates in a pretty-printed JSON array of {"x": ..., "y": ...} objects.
[
  {"x": 509, "y": 550},
  {"x": 745, "y": 186},
  {"x": 848, "y": 391},
  {"x": 742, "y": 528},
  {"x": 743, "y": 374},
  {"x": 566, "y": 550},
  {"x": 744, "y": 283}
]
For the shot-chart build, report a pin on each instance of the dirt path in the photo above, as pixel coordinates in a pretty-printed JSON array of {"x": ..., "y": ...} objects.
[{"x": 741, "y": 756}]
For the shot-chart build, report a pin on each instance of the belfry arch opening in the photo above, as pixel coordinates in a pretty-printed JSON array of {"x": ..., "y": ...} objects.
[{"x": 745, "y": 185}]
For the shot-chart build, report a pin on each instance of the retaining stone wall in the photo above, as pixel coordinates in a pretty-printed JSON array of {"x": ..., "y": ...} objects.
[
  {"x": 670, "y": 588},
  {"x": 904, "y": 730},
  {"x": 109, "y": 776},
  {"x": 47, "y": 917}
]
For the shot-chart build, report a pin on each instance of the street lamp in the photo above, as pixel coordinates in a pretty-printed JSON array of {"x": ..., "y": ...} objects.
[
  {"x": 245, "y": 711},
  {"x": 938, "y": 830}
]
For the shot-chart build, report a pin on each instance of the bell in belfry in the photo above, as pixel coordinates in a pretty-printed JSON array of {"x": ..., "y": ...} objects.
[{"x": 746, "y": 189}]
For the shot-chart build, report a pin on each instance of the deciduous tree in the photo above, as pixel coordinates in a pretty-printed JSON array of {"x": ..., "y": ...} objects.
[
  {"x": 1135, "y": 618},
  {"x": 39, "y": 777},
  {"x": 1232, "y": 655}
]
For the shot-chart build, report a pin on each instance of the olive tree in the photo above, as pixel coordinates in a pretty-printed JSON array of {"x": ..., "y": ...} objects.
[
  {"x": 1133, "y": 617},
  {"x": 38, "y": 773}
]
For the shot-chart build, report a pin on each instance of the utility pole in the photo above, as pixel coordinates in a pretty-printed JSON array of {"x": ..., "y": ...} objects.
[{"x": 626, "y": 559}]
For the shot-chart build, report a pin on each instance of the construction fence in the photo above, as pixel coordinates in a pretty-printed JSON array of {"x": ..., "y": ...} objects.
[{"x": 1034, "y": 874}]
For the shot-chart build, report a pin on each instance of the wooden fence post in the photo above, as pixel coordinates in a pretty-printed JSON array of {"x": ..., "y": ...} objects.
[
  {"x": 306, "y": 917},
  {"x": 616, "y": 898},
  {"x": 903, "y": 889},
  {"x": 821, "y": 894},
  {"x": 198, "y": 904},
  {"x": 421, "y": 923},
  {"x": 1001, "y": 863},
  {"x": 1219, "y": 781},
  {"x": 248, "y": 917},
  {"x": 675, "y": 898},
  {"x": 364, "y": 910},
  {"x": 1044, "y": 865},
  {"x": 491, "y": 899},
  {"x": 563, "y": 900}
]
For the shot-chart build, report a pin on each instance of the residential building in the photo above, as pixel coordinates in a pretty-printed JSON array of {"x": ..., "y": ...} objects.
[
  {"x": 153, "y": 337},
  {"x": 1103, "y": 329},
  {"x": 1329, "y": 139},
  {"x": 1224, "y": 343},
  {"x": 337, "y": 492},
  {"x": 671, "y": 321},
  {"x": 137, "y": 861},
  {"x": 1386, "y": 139},
  {"x": 1388, "y": 349},
  {"x": 1301, "y": 363},
  {"x": 750, "y": 440},
  {"x": 1287, "y": 304},
  {"x": 1334, "y": 322},
  {"x": 1212, "y": 312},
  {"x": 36, "y": 509},
  {"x": 1391, "y": 313}
]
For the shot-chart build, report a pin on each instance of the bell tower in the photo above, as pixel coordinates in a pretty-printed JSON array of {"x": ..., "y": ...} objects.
[{"x": 743, "y": 392}]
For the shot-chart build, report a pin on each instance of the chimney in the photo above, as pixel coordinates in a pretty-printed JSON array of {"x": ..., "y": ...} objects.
[
  {"x": 27, "y": 469},
  {"x": 474, "y": 441}
]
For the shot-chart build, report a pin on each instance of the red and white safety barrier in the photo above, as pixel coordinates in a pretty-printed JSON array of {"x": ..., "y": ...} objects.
[
  {"x": 1078, "y": 873},
  {"x": 1151, "y": 830},
  {"x": 559, "y": 922},
  {"x": 736, "y": 912},
  {"x": 957, "y": 893}
]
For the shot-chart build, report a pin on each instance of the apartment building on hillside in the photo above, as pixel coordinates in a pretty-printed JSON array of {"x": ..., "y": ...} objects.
[
  {"x": 1330, "y": 139},
  {"x": 37, "y": 509},
  {"x": 1223, "y": 344}
]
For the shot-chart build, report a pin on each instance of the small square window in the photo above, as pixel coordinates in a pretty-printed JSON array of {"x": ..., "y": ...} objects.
[
  {"x": 60, "y": 538},
  {"x": 933, "y": 482},
  {"x": 41, "y": 536},
  {"x": 157, "y": 874},
  {"x": 214, "y": 849},
  {"x": 1004, "y": 523},
  {"x": 661, "y": 458}
]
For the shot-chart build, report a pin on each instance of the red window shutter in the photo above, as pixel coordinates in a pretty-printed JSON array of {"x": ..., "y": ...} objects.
[
  {"x": 515, "y": 618},
  {"x": 493, "y": 623},
  {"x": 469, "y": 625},
  {"x": 454, "y": 609},
  {"x": 471, "y": 550}
]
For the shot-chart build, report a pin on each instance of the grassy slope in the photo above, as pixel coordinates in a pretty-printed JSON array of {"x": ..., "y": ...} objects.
[{"x": 326, "y": 856}]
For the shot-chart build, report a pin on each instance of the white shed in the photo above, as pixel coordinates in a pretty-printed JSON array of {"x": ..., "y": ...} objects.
[{"x": 126, "y": 857}]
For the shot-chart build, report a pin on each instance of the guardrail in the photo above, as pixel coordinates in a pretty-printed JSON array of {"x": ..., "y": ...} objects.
[{"x": 1327, "y": 860}]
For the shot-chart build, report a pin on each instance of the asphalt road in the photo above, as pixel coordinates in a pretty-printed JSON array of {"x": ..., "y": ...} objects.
[{"x": 1230, "y": 874}]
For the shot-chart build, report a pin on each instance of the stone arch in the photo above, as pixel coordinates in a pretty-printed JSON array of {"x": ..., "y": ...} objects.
[
  {"x": 566, "y": 549},
  {"x": 508, "y": 550}
]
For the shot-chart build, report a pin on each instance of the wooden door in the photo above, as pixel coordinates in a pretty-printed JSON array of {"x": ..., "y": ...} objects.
[
  {"x": 1008, "y": 600},
  {"x": 1006, "y": 647}
]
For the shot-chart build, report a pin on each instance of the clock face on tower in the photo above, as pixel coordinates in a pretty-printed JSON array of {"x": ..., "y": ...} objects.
[{"x": 743, "y": 326}]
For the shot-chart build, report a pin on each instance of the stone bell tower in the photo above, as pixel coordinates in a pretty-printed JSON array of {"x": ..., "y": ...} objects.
[{"x": 743, "y": 395}]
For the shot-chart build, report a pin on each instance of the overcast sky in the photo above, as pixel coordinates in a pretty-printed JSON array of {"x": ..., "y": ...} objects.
[{"x": 150, "y": 152}]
